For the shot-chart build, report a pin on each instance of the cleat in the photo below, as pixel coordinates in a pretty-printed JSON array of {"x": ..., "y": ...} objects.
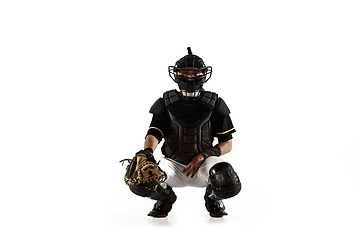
[
  {"x": 218, "y": 214},
  {"x": 156, "y": 214},
  {"x": 166, "y": 198}
]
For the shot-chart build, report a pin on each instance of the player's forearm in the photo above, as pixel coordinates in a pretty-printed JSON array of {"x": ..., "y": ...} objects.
[
  {"x": 225, "y": 147},
  {"x": 218, "y": 150},
  {"x": 151, "y": 142}
]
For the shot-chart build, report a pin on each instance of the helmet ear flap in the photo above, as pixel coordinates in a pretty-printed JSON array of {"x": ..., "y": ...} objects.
[
  {"x": 173, "y": 70},
  {"x": 207, "y": 71}
]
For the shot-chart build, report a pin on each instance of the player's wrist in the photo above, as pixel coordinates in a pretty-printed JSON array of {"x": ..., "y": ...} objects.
[
  {"x": 212, "y": 151},
  {"x": 149, "y": 149}
]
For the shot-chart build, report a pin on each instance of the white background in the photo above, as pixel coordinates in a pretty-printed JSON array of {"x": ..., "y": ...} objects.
[{"x": 78, "y": 79}]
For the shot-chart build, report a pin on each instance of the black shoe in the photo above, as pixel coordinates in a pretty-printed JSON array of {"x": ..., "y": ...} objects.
[
  {"x": 161, "y": 209},
  {"x": 216, "y": 208},
  {"x": 214, "y": 204},
  {"x": 164, "y": 205}
]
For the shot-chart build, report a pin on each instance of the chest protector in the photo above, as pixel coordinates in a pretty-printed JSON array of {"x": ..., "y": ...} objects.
[{"x": 190, "y": 129}]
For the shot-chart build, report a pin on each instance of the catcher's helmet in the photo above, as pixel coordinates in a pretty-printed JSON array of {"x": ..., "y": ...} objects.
[{"x": 190, "y": 73}]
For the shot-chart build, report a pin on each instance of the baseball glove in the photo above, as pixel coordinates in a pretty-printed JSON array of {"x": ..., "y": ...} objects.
[{"x": 143, "y": 170}]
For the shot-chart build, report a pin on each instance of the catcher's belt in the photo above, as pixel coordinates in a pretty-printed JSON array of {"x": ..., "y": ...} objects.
[{"x": 143, "y": 170}]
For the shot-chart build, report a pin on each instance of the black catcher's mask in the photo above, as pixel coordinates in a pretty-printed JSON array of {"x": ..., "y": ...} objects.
[{"x": 190, "y": 73}]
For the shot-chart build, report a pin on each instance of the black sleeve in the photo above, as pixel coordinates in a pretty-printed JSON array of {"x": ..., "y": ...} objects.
[
  {"x": 157, "y": 127},
  {"x": 222, "y": 124},
  {"x": 159, "y": 122},
  {"x": 223, "y": 128}
]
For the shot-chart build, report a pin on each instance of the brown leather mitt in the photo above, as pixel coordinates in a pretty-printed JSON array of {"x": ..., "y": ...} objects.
[{"x": 143, "y": 170}]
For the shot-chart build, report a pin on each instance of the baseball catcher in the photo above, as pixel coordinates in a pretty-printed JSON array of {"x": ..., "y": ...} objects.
[{"x": 188, "y": 121}]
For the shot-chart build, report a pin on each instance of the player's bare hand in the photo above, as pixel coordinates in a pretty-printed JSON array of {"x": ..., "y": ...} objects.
[{"x": 194, "y": 165}]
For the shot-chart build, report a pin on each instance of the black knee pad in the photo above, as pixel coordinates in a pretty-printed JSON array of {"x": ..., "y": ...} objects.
[{"x": 224, "y": 181}]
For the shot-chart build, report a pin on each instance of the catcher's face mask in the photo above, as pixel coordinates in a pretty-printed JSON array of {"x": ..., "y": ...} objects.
[{"x": 190, "y": 73}]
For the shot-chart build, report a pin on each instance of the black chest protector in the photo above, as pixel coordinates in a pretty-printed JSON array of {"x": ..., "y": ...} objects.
[{"x": 190, "y": 129}]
